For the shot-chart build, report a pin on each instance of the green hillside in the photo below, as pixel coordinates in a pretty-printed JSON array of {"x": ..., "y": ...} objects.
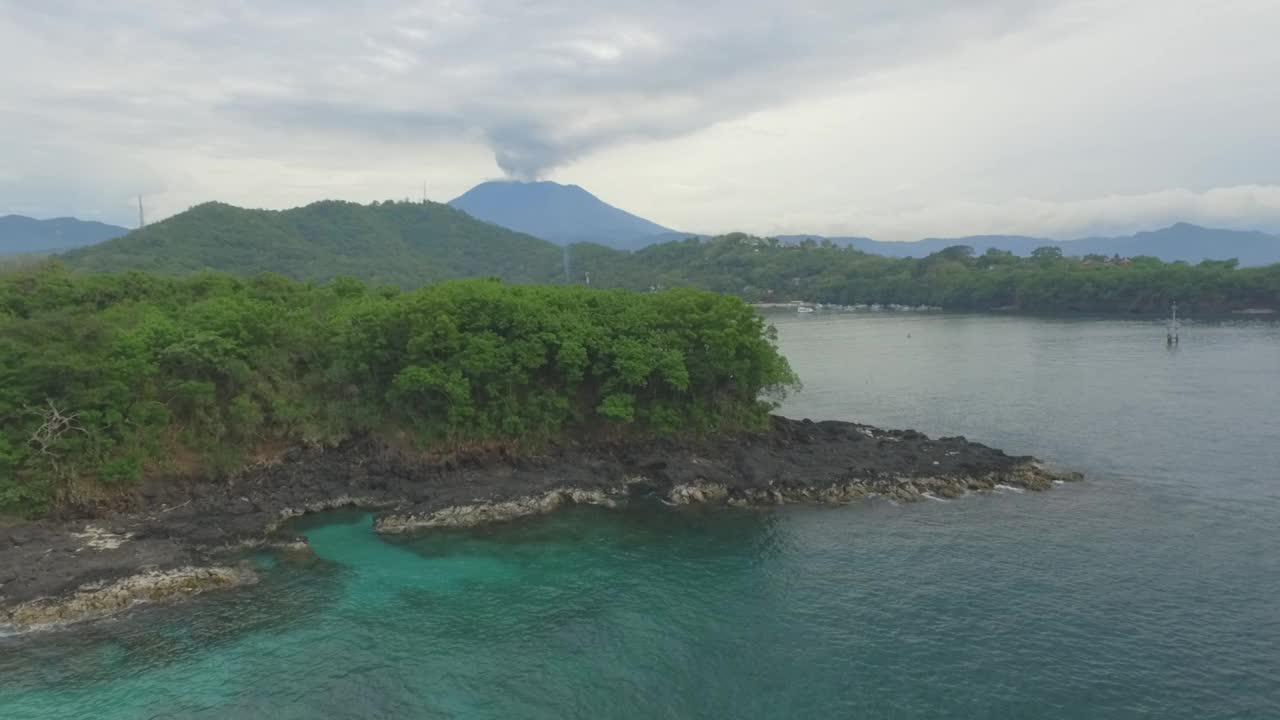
[
  {"x": 955, "y": 278},
  {"x": 410, "y": 245},
  {"x": 399, "y": 243}
]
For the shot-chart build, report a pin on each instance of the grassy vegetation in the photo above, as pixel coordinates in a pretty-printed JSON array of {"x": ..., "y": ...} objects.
[{"x": 109, "y": 379}]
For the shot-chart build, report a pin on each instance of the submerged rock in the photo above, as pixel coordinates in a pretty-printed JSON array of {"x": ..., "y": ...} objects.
[
  {"x": 483, "y": 513},
  {"x": 100, "y": 600}
]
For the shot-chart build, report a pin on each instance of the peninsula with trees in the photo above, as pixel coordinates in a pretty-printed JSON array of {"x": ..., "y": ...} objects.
[
  {"x": 155, "y": 428},
  {"x": 172, "y": 397}
]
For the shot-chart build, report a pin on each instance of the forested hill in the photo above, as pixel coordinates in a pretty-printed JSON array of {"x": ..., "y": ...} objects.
[
  {"x": 408, "y": 244},
  {"x": 955, "y": 278}
]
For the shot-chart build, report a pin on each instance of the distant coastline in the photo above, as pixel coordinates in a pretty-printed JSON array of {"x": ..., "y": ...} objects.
[{"x": 794, "y": 305}]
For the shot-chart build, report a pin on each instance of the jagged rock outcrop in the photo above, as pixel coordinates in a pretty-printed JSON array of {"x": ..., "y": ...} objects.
[{"x": 158, "y": 540}]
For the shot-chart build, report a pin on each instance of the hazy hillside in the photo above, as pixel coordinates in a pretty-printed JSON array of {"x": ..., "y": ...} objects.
[
  {"x": 23, "y": 235},
  {"x": 563, "y": 214},
  {"x": 1188, "y": 242},
  {"x": 402, "y": 243}
]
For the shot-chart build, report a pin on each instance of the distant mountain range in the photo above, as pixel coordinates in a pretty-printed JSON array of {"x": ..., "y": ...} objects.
[
  {"x": 562, "y": 214},
  {"x": 1182, "y": 241},
  {"x": 565, "y": 214},
  {"x": 568, "y": 214},
  {"x": 411, "y": 244},
  {"x": 20, "y": 235}
]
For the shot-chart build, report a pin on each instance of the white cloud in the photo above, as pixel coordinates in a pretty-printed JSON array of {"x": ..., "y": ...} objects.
[{"x": 889, "y": 119}]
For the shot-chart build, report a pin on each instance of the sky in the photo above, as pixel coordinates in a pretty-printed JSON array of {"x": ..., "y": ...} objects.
[{"x": 895, "y": 120}]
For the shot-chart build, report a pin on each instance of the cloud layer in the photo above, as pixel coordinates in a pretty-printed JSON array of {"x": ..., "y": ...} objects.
[{"x": 895, "y": 119}]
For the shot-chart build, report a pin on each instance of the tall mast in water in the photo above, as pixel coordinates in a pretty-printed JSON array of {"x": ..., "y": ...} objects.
[{"x": 1171, "y": 338}]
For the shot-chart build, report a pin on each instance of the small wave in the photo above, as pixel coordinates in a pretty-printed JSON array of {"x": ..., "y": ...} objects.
[
  {"x": 1002, "y": 486},
  {"x": 935, "y": 498}
]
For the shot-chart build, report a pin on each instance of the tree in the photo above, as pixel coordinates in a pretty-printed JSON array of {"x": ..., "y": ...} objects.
[
  {"x": 1230, "y": 264},
  {"x": 994, "y": 257},
  {"x": 957, "y": 253}
]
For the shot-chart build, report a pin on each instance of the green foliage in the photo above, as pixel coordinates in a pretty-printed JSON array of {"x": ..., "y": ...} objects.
[
  {"x": 396, "y": 245},
  {"x": 405, "y": 244},
  {"x": 111, "y": 378},
  {"x": 954, "y": 278}
]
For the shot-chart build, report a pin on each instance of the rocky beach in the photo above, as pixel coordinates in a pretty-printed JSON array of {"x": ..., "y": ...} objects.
[{"x": 170, "y": 540}]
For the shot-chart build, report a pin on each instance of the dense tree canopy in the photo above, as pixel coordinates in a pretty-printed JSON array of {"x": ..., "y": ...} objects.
[
  {"x": 954, "y": 278},
  {"x": 111, "y": 378},
  {"x": 108, "y": 379}
]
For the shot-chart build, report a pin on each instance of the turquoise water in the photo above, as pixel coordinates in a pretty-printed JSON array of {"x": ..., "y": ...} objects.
[{"x": 1150, "y": 590}]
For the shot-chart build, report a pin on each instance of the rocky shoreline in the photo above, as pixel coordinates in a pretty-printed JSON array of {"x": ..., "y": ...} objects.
[{"x": 174, "y": 539}]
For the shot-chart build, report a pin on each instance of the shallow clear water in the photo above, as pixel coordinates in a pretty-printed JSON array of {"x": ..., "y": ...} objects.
[{"x": 1150, "y": 590}]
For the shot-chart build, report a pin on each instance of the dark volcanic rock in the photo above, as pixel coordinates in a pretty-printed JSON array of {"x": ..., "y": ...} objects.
[{"x": 181, "y": 527}]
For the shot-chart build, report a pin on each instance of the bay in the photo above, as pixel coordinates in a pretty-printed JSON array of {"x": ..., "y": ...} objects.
[{"x": 1149, "y": 590}]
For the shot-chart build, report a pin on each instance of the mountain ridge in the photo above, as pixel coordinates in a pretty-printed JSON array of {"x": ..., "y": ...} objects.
[
  {"x": 402, "y": 243},
  {"x": 1180, "y": 241},
  {"x": 569, "y": 214},
  {"x": 20, "y": 234},
  {"x": 413, "y": 244}
]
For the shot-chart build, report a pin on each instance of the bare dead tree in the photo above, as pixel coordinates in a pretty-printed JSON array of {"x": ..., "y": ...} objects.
[{"x": 54, "y": 424}]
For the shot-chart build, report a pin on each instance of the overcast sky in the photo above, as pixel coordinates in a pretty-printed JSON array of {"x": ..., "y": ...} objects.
[{"x": 896, "y": 119}]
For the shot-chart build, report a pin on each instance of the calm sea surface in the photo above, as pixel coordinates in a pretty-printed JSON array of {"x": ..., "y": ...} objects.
[{"x": 1150, "y": 590}]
